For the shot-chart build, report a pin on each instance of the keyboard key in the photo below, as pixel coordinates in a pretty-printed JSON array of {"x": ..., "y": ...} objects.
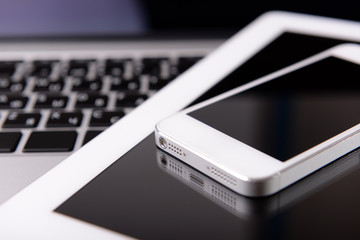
[
  {"x": 119, "y": 84},
  {"x": 51, "y": 141},
  {"x": 90, "y": 135},
  {"x": 42, "y": 68},
  {"x": 87, "y": 100},
  {"x": 185, "y": 63},
  {"x": 79, "y": 68},
  {"x": 4, "y": 84},
  {"x": 116, "y": 67},
  {"x": 64, "y": 119},
  {"x": 48, "y": 85},
  {"x": 154, "y": 66},
  {"x": 156, "y": 83},
  {"x": 105, "y": 118},
  {"x": 22, "y": 120},
  {"x": 7, "y": 68},
  {"x": 9, "y": 141},
  {"x": 81, "y": 84},
  {"x": 12, "y": 102},
  {"x": 50, "y": 101},
  {"x": 7, "y": 85},
  {"x": 17, "y": 87},
  {"x": 130, "y": 99}
]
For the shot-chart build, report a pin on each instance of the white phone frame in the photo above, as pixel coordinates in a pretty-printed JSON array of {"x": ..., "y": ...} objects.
[
  {"x": 240, "y": 167},
  {"x": 30, "y": 213}
]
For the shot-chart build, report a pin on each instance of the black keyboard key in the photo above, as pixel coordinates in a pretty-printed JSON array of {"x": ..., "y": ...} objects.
[
  {"x": 119, "y": 84},
  {"x": 154, "y": 66},
  {"x": 130, "y": 99},
  {"x": 48, "y": 85},
  {"x": 9, "y": 141},
  {"x": 105, "y": 118},
  {"x": 185, "y": 63},
  {"x": 12, "y": 101},
  {"x": 116, "y": 67},
  {"x": 64, "y": 119},
  {"x": 90, "y": 135},
  {"x": 50, "y": 101},
  {"x": 22, "y": 120},
  {"x": 156, "y": 83},
  {"x": 17, "y": 87},
  {"x": 4, "y": 84},
  {"x": 87, "y": 100},
  {"x": 8, "y": 85},
  {"x": 7, "y": 68},
  {"x": 42, "y": 68},
  {"x": 82, "y": 84},
  {"x": 79, "y": 68},
  {"x": 51, "y": 141}
]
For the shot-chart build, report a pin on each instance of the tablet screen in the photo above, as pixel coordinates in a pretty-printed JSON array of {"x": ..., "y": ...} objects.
[
  {"x": 135, "y": 197},
  {"x": 287, "y": 49},
  {"x": 146, "y": 203}
]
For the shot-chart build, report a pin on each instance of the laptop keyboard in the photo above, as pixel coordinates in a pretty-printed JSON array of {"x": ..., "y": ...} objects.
[{"x": 58, "y": 105}]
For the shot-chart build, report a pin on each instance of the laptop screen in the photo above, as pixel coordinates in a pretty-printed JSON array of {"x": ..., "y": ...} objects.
[
  {"x": 71, "y": 18},
  {"x": 83, "y": 18}
]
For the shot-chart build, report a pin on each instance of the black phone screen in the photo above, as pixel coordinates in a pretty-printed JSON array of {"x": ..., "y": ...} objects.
[{"x": 292, "y": 113}]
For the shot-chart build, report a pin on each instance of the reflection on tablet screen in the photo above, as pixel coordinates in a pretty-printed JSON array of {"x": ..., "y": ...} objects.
[
  {"x": 287, "y": 49},
  {"x": 134, "y": 197}
]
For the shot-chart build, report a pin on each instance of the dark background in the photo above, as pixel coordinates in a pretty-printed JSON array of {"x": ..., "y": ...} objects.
[
  {"x": 233, "y": 15},
  {"x": 132, "y": 18}
]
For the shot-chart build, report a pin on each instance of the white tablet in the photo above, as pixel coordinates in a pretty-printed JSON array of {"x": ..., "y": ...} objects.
[{"x": 112, "y": 188}]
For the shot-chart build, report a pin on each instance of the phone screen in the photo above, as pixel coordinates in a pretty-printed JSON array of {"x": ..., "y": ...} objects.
[{"x": 291, "y": 113}]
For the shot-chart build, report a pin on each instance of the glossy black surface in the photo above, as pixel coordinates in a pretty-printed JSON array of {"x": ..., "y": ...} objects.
[
  {"x": 138, "y": 197},
  {"x": 290, "y": 114},
  {"x": 287, "y": 49}
]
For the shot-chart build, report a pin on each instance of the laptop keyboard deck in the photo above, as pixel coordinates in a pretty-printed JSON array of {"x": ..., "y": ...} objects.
[{"x": 59, "y": 104}]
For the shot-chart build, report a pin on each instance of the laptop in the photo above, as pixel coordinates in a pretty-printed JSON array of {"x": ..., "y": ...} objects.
[{"x": 68, "y": 70}]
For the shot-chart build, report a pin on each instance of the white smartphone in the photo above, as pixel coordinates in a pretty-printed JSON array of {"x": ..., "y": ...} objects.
[{"x": 265, "y": 135}]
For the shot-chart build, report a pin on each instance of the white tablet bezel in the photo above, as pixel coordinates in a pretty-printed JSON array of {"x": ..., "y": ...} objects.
[
  {"x": 206, "y": 148},
  {"x": 31, "y": 212}
]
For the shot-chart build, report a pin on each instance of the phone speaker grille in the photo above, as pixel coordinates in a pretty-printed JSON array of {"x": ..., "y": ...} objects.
[
  {"x": 175, "y": 150},
  {"x": 223, "y": 197},
  {"x": 222, "y": 176}
]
